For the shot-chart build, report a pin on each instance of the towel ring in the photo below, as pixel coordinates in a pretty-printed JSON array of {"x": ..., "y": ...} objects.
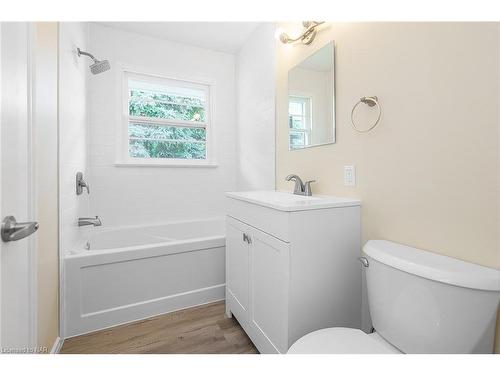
[{"x": 371, "y": 101}]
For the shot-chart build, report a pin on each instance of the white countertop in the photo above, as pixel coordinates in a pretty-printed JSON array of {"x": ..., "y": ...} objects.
[{"x": 285, "y": 201}]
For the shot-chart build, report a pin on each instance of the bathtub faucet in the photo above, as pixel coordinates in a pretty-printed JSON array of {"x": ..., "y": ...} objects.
[{"x": 96, "y": 222}]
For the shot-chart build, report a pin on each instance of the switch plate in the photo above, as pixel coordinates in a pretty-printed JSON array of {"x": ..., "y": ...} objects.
[{"x": 349, "y": 175}]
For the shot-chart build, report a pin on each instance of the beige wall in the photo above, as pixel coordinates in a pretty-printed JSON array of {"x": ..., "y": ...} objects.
[
  {"x": 47, "y": 182},
  {"x": 429, "y": 174}
]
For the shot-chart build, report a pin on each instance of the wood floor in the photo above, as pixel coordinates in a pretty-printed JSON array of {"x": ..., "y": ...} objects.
[{"x": 198, "y": 330}]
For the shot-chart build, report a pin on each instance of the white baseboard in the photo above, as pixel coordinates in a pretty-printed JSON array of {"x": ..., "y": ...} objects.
[{"x": 58, "y": 343}]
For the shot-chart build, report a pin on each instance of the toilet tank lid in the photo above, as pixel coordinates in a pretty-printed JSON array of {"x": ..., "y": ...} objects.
[{"x": 433, "y": 266}]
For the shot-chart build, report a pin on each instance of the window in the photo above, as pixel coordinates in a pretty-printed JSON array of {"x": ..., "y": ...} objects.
[
  {"x": 299, "y": 121},
  {"x": 167, "y": 121}
]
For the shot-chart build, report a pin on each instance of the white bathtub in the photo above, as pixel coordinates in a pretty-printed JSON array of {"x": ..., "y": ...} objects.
[{"x": 132, "y": 273}]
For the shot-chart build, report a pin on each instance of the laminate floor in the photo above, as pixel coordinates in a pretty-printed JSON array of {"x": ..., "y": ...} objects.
[{"x": 198, "y": 330}]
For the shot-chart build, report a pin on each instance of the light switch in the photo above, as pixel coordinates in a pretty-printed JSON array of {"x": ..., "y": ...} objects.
[{"x": 349, "y": 175}]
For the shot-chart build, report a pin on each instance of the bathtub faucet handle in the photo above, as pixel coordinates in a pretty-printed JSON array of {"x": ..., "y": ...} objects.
[{"x": 80, "y": 184}]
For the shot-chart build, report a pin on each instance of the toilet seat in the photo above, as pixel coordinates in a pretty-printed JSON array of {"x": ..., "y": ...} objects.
[{"x": 341, "y": 340}]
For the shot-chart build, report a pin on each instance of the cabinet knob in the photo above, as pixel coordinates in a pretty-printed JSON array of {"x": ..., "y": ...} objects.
[{"x": 247, "y": 238}]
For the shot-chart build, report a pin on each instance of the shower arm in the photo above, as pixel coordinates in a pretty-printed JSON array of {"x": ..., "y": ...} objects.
[{"x": 80, "y": 52}]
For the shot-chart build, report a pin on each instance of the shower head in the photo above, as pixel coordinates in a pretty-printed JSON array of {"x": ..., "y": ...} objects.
[{"x": 98, "y": 66}]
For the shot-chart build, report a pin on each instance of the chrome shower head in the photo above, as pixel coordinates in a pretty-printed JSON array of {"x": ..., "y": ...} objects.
[{"x": 98, "y": 66}]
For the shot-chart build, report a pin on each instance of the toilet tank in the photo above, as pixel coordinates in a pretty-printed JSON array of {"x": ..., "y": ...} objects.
[{"x": 422, "y": 302}]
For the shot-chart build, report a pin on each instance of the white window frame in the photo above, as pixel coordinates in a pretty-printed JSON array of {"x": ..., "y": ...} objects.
[
  {"x": 308, "y": 124},
  {"x": 122, "y": 134}
]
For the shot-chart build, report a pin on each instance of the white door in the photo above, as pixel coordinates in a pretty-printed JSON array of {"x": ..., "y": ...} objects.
[
  {"x": 17, "y": 262},
  {"x": 269, "y": 275}
]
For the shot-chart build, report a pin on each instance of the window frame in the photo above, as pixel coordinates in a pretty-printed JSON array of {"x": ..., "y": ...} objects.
[
  {"x": 122, "y": 150},
  {"x": 307, "y": 101}
]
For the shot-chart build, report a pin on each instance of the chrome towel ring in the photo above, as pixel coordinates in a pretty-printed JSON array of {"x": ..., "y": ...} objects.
[{"x": 371, "y": 101}]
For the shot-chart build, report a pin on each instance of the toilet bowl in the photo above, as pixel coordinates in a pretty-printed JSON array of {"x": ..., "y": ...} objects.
[{"x": 420, "y": 302}]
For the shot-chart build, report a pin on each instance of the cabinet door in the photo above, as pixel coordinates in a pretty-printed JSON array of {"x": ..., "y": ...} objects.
[
  {"x": 269, "y": 274},
  {"x": 237, "y": 264}
]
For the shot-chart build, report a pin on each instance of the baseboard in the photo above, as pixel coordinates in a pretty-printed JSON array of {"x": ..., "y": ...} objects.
[{"x": 56, "y": 348}]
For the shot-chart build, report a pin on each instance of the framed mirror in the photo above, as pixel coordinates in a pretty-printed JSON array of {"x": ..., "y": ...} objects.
[{"x": 311, "y": 100}]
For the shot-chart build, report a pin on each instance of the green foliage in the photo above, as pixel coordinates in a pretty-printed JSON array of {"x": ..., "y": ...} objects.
[
  {"x": 161, "y": 132},
  {"x": 159, "y": 141},
  {"x": 172, "y": 150},
  {"x": 159, "y": 105}
]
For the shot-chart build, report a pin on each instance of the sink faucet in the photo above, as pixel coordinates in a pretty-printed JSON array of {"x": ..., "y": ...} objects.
[
  {"x": 96, "y": 222},
  {"x": 300, "y": 187}
]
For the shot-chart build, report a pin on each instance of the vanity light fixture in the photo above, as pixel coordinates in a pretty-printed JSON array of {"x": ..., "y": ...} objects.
[{"x": 306, "y": 37}]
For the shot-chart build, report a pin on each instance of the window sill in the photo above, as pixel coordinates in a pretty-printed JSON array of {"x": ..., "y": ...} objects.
[{"x": 172, "y": 164}]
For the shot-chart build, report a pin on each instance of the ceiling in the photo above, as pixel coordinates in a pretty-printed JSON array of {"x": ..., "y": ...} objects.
[{"x": 219, "y": 36}]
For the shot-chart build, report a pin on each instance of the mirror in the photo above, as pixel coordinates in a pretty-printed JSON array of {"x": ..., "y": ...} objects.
[{"x": 311, "y": 100}]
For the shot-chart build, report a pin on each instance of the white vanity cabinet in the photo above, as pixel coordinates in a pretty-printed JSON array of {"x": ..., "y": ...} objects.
[{"x": 291, "y": 265}]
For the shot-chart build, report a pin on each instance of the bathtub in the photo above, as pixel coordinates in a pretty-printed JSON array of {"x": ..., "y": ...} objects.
[{"x": 118, "y": 275}]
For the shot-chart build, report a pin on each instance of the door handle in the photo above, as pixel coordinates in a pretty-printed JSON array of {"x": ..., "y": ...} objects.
[{"x": 12, "y": 230}]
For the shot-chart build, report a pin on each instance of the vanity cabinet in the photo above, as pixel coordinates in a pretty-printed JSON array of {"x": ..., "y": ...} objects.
[{"x": 291, "y": 267}]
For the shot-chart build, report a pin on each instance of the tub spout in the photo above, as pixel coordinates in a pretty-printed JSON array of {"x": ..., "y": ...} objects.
[{"x": 96, "y": 222}]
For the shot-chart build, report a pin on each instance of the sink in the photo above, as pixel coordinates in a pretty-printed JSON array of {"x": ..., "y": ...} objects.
[{"x": 285, "y": 201}]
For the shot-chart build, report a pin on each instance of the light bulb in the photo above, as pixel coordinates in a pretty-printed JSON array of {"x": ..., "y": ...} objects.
[{"x": 278, "y": 32}]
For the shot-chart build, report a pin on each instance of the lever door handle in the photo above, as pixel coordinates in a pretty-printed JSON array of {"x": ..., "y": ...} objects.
[{"x": 13, "y": 231}]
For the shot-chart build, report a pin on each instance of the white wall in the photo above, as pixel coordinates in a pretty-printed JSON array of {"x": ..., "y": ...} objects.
[
  {"x": 73, "y": 71},
  {"x": 255, "y": 106},
  {"x": 142, "y": 195}
]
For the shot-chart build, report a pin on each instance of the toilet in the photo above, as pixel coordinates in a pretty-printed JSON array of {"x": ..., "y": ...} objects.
[{"x": 420, "y": 302}]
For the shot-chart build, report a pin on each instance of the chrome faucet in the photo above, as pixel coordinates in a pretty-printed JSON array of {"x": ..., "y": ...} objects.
[
  {"x": 96, "y": 222},
  {"x": 300, "y": 188}
]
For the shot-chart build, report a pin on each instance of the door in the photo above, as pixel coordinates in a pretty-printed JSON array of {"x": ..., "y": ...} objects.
[
  {"x": 17, "y": 262},
  {"x": 237, "y": 255},
  {"x": 269, "y": 283}
]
